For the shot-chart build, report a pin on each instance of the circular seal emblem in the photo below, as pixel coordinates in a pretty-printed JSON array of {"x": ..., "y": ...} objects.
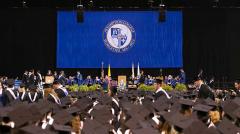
[{"x": 119, "y": 36}]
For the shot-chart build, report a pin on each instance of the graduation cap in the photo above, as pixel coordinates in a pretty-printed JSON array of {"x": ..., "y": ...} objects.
[
  {"x": 158, "y": 81},
  {"x": 174, "y": 118},
  {"x": 229, "y": 107},
  {"x": 201, "y": 112},
  {"x": 62, "y": 128},
  {"x": 197, "y": 78},
  {"x": 83, "y": 104},
  {"x": 66, "y": 101},
  {"x": 145, "y": 112},
  {"x": 62, "y": 117},
  {"x": 197, "y": 127},
  {"x": 32, "y": 87},
  {"x": 20, "y": 115},
  {"x": 10, "y": 82},
  {"x": 161, "y": 104},
  {"x": 226, "y": 127},
  {"x": 149, "y": 97},
  {"x": 45, "y": 106},
  {"x": 73, "y": 110},
  {"x": 186, "y": 102},
  {"x": 90, "y": 126},
  {"x": 126, "y": 105},
  {"x": 237, "y": 113},
  {"x": 236, "y": 100},
  {"x": 47, "y": 85},
  {"x": 148, "y": 130},
  {"x": 105, "y": 100},
  {"x": 22, "y": 85},
  {"x": 56, "y": 82},
  {"x": 210, "y": 102},
  {"x": 132, "y": 123},
  {"x": 148, "y": 105},
  {"x": 4, "y": 111},
  {"x": 32, "y": 129},
  {"x": 102, "y": 114},
  {"x": 202, "y": 108},
  {"x": 103, "y": 129},
  {"x": 211, "y": 130}
]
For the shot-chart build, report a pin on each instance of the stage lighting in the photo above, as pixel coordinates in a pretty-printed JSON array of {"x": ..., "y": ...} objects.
[
  {"x": 150, "y": 2},
  {"x": 80, "y": 16},
  {"x": 90, "y": 4},
  {"x": 162, "y": 12},
  {"x": 24, "y": 4},
  {"x": 215, "y": 3}
]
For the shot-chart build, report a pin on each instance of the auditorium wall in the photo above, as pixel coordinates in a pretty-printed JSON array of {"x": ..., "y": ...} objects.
[{"x": 211, "y": 41}]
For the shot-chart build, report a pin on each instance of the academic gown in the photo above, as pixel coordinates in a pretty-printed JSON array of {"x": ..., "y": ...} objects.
[
  {"x": 32, "y": 80},
  {"x": 30, "y": 97},
  {"x": 25, "y": 78},
  {"x": 38, "y": 78},
  {"x": 8, "y": 98},
  {"x": 5, "y": 129},
  {"x": 159, "y": 94},
  {"x": 60, "y": 92},
  {"x": 205, "y": 92},
  {"x": 23, "y": 96},
  {"x": 51, "y": 99},
  {"x": 97, "y": 81},
  {"x": 62, "y": 80},
  {"x": 88, "y": 82},
  {"x": 79, "y": 79}
]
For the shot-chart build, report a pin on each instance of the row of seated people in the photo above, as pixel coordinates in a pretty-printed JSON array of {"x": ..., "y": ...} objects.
[{"x": 31, "y": 94}]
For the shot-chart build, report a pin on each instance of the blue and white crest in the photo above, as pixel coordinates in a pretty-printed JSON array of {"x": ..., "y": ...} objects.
[{"x": 119, "y": 36}]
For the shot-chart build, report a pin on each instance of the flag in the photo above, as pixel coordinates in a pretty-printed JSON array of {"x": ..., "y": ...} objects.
[
  {"x": 138, "y": 70},
  {"x": 102, "y": 71},
  {"x": 133, "y": 71},
  {"x": 109, "y": 70}
]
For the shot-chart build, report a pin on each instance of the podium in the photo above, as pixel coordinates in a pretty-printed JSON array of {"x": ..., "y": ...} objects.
[
  {"x": 122, "y": 78},
  {"x": 49, "y": 79}
]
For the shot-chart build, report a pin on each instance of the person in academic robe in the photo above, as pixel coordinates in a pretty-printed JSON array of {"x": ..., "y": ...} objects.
[
  {"x": 79, "y": 78},
  {"x": 6, "y": 126},
  {"x": 22, "y": 92},
  {"x": 32, "y": 95},
  {"x": 32, "y": 78},
  {"x": 88, "y": 81},
  {"x": 25, "y": 77},
  {"x": 62, "y": 78},
  {"x": 51, "y": 96},
  {"x": 106, "y": 82},
  {"x": 237, "y": 88},
  {"x": 59, "y": 89},
  {"x": 142, "y": 78},
  {"x": 165, "y": 79},
  {"x": 1, "y": 94},
  {"x": 39, "y": 79},
  {"x": 70, "y": 81},
  {"x": 175, "y": 81},
  {"x": 182, "y": 76},
  {"x": 97, "y": 80},
  {"x": 49, "y": 73},
  {"x": 10, "y": 95},
  {"x": 204, "y": 91},
  {"x": 170, "y": 80},
  {"x": 55, "y": 75},
  {"x": 150, "y": 80},
  {"x": 159, "y": 90}
]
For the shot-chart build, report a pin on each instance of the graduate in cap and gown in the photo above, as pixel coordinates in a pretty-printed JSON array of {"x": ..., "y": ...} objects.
[
  {"x": 10, "y": 95},
  {"x": 159, "y": 90}
]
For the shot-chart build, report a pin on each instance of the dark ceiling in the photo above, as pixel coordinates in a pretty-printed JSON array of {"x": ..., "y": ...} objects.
[{"x": 120, "y": 4}]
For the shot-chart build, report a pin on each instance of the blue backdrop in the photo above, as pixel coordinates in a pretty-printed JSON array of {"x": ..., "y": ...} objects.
[{"x": 157, "y": 45}]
